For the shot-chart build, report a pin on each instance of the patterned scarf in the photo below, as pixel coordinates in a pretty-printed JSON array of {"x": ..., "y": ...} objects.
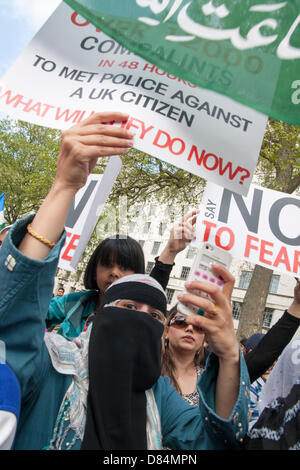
[{"x": 71, "y": 358}]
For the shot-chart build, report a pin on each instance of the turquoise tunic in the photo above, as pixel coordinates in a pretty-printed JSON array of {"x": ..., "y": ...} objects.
[
  {"x": 71, "y": 311},
  {"x": 26, "y": 287}
]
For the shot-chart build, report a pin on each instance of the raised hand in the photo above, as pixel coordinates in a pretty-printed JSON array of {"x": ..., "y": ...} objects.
[{"x": 81, "y": 146}]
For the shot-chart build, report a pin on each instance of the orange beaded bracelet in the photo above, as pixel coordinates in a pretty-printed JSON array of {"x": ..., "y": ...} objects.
[{"x": 38, "y": 237}]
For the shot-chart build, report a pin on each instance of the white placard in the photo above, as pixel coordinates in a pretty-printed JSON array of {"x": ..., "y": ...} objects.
[
  {"x": 71, "y": 70},
  {"x": 262, "y": 228},
  {"x": 84, "y": 213}
]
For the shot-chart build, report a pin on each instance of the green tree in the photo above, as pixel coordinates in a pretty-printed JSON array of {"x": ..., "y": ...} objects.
[
  {"x": 143, "y": 177},
  {"x": 28, "y": 156},
  {"x": 279, "y": 169}
]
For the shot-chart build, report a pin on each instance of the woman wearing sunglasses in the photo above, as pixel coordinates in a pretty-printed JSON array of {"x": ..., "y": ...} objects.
[{"x": 183, "y": 355}]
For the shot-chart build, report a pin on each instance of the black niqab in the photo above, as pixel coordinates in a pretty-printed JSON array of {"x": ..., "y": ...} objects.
[{"x": 124, "y": 362}]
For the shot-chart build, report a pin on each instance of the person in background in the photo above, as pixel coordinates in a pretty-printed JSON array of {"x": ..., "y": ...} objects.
[
  {"x": 251, "y": 342},
  {"x": 262, "y": 350},
  {"x": 248, "y": 344},
  {"x": 242, "y": 345},
  {"x": 278, "y": 424},
  {"x": 255, "y": 391},
  {"x": 60, "y": 292},
  {"x": 183, "y": 355}
]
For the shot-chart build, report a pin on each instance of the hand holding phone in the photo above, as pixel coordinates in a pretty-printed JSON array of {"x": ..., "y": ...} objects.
[{"x": 202, "y": 271}]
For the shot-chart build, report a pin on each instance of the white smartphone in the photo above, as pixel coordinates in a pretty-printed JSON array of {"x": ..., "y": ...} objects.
[{"x": 202, "y": 271}]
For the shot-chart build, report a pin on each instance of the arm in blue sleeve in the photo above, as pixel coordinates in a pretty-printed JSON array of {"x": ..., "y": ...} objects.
[
  {"x": 26, "y": 287},
  {"x": 229, "y": 432},
  {"x": 56, "y": 312},
  {"x": 185, "y": 427}
]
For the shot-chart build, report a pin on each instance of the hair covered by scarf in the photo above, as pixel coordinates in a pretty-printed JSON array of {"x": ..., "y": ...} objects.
[{"x": 139, "y": 287}]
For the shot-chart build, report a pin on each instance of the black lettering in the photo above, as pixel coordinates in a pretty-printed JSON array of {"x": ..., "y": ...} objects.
[
  {"x": 178, "y": 95},
  {"x": 246, "y": 124},
  {"x": 274, "y": 215},
  {"x": 74, "y": 213},
  {"x": 204, "y": 106},
  {"x": 251, "y": 218},
  {"x": 189, "y": 120},
  {"x": 160, "y": 109},
  {"x": 108, "y": 93},
  {"x": 66, "y": 74},
  {"x": 78, "y": 93},
  {"x": 93, "y": 96},
  {"x": 235, "y": 120},
  {"x": 89, "y": 40}
]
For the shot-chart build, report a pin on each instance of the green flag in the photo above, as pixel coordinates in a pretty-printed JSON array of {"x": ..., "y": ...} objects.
[{"x": 247, "y": 50}]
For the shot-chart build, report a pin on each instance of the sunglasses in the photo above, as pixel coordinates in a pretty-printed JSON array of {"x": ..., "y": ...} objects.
[{"x": 180, "y": 322}]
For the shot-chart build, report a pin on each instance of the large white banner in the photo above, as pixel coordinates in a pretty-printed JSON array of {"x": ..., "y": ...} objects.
[
  {"x": 71, "y": 70},
  {"x": 262, "y": 228},
  {"x": 84, "y": 212}
]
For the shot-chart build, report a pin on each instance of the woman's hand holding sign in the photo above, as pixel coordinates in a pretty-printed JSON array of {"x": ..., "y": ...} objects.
[{"x": 81, "y": 146}]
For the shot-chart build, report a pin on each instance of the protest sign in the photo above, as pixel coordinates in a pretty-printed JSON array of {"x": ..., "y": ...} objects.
[
  {"x": 247, "y": 50},
  {"x": 262, "y": 228},
  {"x": 71, "y": 70},
  {"x": 84, "y": 212}
]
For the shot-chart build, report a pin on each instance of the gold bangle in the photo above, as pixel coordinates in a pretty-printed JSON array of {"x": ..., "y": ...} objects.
[{"x": 39, "y": 237}]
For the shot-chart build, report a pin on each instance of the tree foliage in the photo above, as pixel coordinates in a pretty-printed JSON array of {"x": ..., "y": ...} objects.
[
  {"x": 279, "y": 163},
  {"x": 144, "y": 177},
  {"x": 28, "y": 156}
]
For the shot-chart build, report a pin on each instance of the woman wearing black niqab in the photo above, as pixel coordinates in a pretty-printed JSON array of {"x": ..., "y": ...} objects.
[{"x": 124, "y": 362}]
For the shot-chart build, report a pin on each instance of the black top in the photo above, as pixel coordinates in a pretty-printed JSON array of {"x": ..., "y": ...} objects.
[
  {"x": 277, "y": 428},
  {"x": 161, "y": 272},
  {"x": 271, "y": 345}
]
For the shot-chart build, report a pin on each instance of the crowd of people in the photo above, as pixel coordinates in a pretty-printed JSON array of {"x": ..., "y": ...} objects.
[{"x": 108, "y": 368}]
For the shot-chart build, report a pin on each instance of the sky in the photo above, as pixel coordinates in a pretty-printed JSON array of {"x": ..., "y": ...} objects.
[{"x": 20, "y": 20}]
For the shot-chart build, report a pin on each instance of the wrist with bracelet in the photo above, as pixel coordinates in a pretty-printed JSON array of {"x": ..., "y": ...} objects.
[{"x": 39, "y": 237}]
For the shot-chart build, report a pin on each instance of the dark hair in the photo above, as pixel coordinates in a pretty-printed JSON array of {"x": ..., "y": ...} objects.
[
  {"x": 168, "y": 366},
  {"x": 119, "y": 249}
]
